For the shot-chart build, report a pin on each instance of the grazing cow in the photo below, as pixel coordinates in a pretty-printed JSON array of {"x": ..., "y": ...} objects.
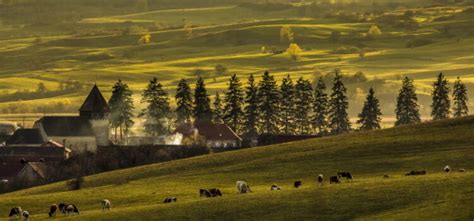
[
  {"x": 203, "y": 192},
  {"x": 447, "y": 169},
  {"x": 334, "y": 179},
  {"x": 386, "y": 176},
  {"x": 25, "y": 214},
  {"x": 462, "y": 170},
  {"x": 275, "y": 187},
  {"x": 297, "y": 184},
  {"x": 243, "y": 187},
  {"x": 70, "y": 209},
  {"x": 61, "y": 207},
  {"x": 215, "y": 192},
  {"x": 320, "y": 179},
  {"x": 170, "y": 199},
  {"x": 416, "y": 172},
  {"x": 15, "y": 212},
  {"x": 105, "y": 203},
  {"x": 346, "y": 175},
  {"x": 52, "y": 210}
]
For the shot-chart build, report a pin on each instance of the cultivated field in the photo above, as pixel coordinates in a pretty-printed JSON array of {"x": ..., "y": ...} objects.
[{"x": 137, "y": 193}]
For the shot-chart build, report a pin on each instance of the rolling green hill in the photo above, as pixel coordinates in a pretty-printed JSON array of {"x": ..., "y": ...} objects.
[{"x": 137, "y": 193}]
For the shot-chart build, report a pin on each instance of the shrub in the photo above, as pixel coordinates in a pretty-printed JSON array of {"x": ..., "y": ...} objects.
[
  {"x": 76, "y": 183},
  {"x": 418, "y": 43}
]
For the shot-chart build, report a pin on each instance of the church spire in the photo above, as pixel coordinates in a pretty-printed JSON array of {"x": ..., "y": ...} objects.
[{"x": 95, "y": 105}]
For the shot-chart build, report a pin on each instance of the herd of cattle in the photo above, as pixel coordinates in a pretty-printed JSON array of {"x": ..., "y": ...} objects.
[{"x": 242, "y": 187}]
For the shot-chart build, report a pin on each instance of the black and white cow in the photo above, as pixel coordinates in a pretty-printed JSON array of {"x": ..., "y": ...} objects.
[
  {"x": 297, "y": 184},
  {"x": 52, "y": 210},
  {"x": 106, "y": 205},
  {"x": 170, "y": 199},
  {"x": 320, "y": 179},
  {"x": 243, "y": 187},
  {"x": 15, "y": 212}
]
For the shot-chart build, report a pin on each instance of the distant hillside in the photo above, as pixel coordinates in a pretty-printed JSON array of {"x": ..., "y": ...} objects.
[{"x": 137, "y": 193}]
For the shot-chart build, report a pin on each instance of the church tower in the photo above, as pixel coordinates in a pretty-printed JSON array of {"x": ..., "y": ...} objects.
[{"x": 97, "y": 111}]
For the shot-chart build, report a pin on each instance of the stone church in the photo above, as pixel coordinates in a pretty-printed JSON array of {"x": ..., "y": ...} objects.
[{"x": 80, "y": 133}]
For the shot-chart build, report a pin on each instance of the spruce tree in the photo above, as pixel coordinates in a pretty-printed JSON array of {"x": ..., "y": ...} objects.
[
  {"x": 287, "y": 106},
  {"x": 234, "y": 99},
  {"x": 121, "y": 108},
  {"x": 338, "y": 117},
  {"x": 369, "y": 118},
  {"x": 320, "y": 108},
  {"x": 407, "y": 110},
  {"x": 218, "y": 111},
  {"x": 460, "y": 99},
  {"x": 440, "y": 107},
  {"x": 202, "y": 104},
  {"x": 157, "y": 108},
  {"x": 268, "y": 101},
  {"x": 184, "y": 102},
  {"x": 303, "y": 101},
  {"x": 251, "y": 108}
]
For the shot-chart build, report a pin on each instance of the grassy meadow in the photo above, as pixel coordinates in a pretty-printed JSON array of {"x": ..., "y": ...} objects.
[
  {"x": 95, "y": 50},
  {"x": 137, "y": 193}
]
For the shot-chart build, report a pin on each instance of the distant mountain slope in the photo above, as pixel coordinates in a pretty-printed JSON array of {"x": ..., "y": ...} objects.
[{"x": 137, "y": 193}]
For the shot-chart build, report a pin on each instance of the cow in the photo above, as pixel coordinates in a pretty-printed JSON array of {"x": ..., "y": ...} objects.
[
  {"x": 346, "y": 175},
  {"x": 70, "y": 209},
  {"x": 61, "y": 207},
  {"x": 52, "y": 210},
  {"x": 320, "y": 179},
  {"x": 462, "y": 170},
  {"x": 334, "y": 179},
  {"x": 26, "y": 215},
  {"x": 243, "y": 187},
  {"x": 15, "y": 212},
  {"x": 275, "y": 187},
  {"x": 105, "y": 203},
  {"x": 203, "y": 192},
  {"x": 215, "y": 192},
  {"x": 297, "y": 184},
  {"x": 447, "y": 169},
  {"x": 416, "y": 172},
  {"x": 170, "y": 199}
]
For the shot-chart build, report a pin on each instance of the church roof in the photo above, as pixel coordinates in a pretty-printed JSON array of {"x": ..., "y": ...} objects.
[
  {"x": 95, "y": 102},
  {"x": 66, "y": 126},
  {"x": 27, "y": 137}
]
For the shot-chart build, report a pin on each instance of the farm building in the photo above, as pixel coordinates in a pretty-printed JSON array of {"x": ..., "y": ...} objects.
[
  {"x": 80, "y": 133},
  {"x": 214, "y": 135},
  {"x": 33, "y": 172}
]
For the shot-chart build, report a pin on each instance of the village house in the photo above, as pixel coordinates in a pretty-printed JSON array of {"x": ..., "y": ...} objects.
[
  {"x": 27, "y": 173},
  {"x": 80, "y": 133},
  {"x": 213, "y": 135}
]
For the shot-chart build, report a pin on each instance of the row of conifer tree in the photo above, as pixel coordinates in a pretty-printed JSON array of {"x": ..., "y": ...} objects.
[{"x": 264, "y": 107}]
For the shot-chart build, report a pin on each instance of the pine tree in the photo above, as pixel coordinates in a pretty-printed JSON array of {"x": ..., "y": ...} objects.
[
  {"x": 303, "y": 101},
  {"x": 320, "y": 108},
  {"x": 268, "y": 101},
  {"x": 339, "y": 120},
  {"x": 184, "y": 102},
  {"x": 157, "y": 109},
  {"x": 121, "y": 108},
  {"x": 369, "y": 118},
  {"x": 202, "y": 104},
  {"x": 407, "y": 111},
  {"x": 287, "y": 105},
  {"x": 234, "y": 99},
  {"x": 251, "y": 108},
  {"x": 440, "y": 108},
  {"x": 460, "y": 107},
  {"x": 218, "y": 111}
]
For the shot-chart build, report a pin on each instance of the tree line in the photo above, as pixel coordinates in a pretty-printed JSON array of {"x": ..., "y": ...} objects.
[{"x": 264, "y": 107}]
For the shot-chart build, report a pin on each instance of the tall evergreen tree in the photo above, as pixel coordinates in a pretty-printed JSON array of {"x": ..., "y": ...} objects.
[
  {"x": 268, "y": 101},
  {"x": 460, "y": 107},
  {"x": 184, "y": 102},
  {"x": 234, "y": 99},
  {"x": 121, "y": 108},
  {"x": 157, "y": 108},
  {"x": 303, "y": 101},
  {"x": 339, "y": 120},
  {"x": 320, "y": 108},
  {"x": 287, "y": 105},
  {"x": 369, "y": 118},
  {"x": 440, "y": 108},
  {"x": 218, "y": 111},
  {"x": 251, "y": 108},
  {"x": 202, "y": 104},
  {"x": 407, "y": 111}
]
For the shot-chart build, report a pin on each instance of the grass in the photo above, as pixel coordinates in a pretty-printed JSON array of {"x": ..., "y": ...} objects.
[{"x": 137, "y": 193}]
